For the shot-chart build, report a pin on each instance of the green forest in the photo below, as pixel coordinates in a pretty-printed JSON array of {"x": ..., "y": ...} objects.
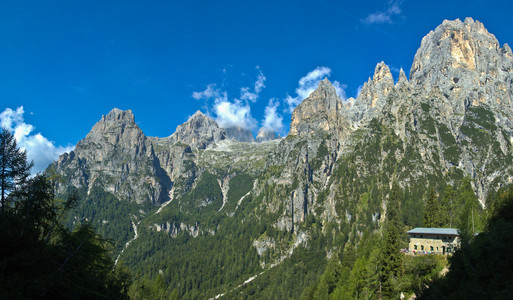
[{"x": 41, "y": 257}]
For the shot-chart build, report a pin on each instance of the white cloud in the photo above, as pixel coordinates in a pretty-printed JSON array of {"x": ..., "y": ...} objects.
[
  {"x": 245, "y": 93},
  {"x": 9, "y": 116},
  {"x": 233, "y": 114},
  {"x": 272, "y": 120},
  {"x": 381, "y": 17},
  {"x": 260, "y": 83},
  {"x": 39, "y": 149},
  {"x": 309, "y": 83},
  {"x": 209, "y": 92}
]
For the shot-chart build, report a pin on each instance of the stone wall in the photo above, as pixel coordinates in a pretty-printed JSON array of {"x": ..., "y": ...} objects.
[{"x": 438, "y": 244}]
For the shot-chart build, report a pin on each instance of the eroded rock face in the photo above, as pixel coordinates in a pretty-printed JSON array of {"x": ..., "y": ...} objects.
[
  {"x": 372, "y": 96},
  {"x": 198, "y": 132},
  {"x": 466, "y": 63},
  {"x": 117, "y": 156},
  {"x": 321, "y": 111}
]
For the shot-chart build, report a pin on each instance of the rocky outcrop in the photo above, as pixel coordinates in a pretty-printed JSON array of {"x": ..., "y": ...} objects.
[
  {"x": 199, "y": 132},
  {"x": 116, "y": 156},
  {"x": 372, "y": 97},
  {"x": 467, "y": 65},
  {"x": 462, "y": 72},
  {"x": 322, "y": 111}
]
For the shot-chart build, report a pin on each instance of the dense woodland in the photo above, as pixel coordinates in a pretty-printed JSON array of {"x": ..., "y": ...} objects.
[
  {"x": 41, "y": 258},
  {"x": 366, "y": 266}
]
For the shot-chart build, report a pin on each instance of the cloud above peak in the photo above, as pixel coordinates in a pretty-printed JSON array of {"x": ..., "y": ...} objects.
[
  {"x": 39, "y": 149},
  {"x": 234, "y": 112},
  {"x": 386, "y": 16},
  {"x": 308, "y": 83}
]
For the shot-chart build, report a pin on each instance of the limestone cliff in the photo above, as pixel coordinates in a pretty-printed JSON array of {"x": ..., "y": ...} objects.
[
  {"x": 321, "y": 111},
  {"x": 117, "y": 156},
  {"x": 198, "y": 132}
]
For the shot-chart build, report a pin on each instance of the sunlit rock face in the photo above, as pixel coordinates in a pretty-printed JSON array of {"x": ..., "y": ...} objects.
[
  {"x": 467, "y": 65},
  {"x": 321, "y": 111}
]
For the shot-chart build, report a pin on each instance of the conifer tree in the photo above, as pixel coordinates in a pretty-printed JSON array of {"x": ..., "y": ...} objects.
[
  {"x": 39, "y": 257},
  {"x": 14, "y": 169},
  {"x": 470, "y": 211},
  {"x": 432, "y": 216},
  {"x": 448, "y": 206},
  {"x": 391, "y": 245}
]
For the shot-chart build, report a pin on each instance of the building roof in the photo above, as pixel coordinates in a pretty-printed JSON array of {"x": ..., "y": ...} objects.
[{"x": 448, "y": 231}]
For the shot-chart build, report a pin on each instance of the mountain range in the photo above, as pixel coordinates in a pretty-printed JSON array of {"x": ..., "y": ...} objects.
[{"x": 210, "y": 208}]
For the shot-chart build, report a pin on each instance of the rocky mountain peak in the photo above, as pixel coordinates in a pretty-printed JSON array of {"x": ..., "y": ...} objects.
[
  {"x": 324, "y": 92},
  {"x": 382, "y": 74},
  {"x": 198, "y": 114},
  {"x": 402, "y": 77},
  {"x": 467, "y": 46},
  {"x": 117, "y": 155},
  {"x": 459, "y": 55},
  {"x": 321, "y": 110},
  {"x": 117, "y": 114},
  {"x": 377, "y": 89},
  {"x": 114, "y": 118},
  {"x": 199, "y": 131},
  {"x": 117, "y": 127},
  {"x": 373, "y": 95}
]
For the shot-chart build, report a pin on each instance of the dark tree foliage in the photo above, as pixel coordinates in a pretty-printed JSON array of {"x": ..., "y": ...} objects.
[
  {"x": 448, "y": 206},
  {"x": 470, "y": 212},
  {"x": 392, "y": 240},
  {"x": 14, "y": 168},
  {"x": 432, "y": 217},
  {"x": 483, "y": 268},
  {"x": 42, "y": 259}
]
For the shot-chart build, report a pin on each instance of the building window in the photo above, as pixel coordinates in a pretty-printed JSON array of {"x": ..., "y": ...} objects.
[
  {"x": 415, "y": 247},
  {"x": 422, "y": 247},
  {"x": 431, "y": 248}
]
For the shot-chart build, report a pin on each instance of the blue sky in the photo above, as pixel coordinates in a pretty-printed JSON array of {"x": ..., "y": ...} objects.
[{"x": 66, "y": 63}]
